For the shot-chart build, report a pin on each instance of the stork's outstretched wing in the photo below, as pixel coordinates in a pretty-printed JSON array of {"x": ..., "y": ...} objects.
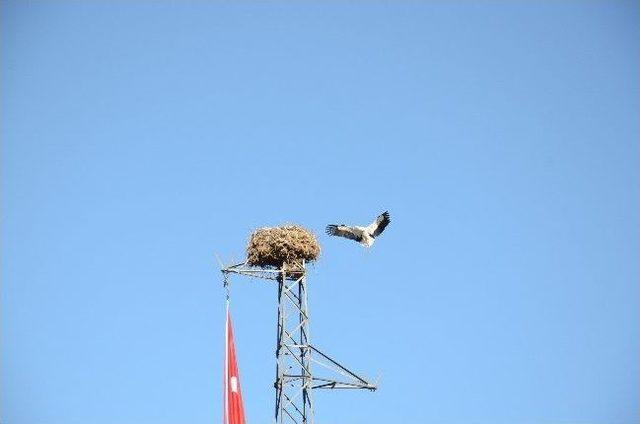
[
  {"x": 381, "y": 222},
  {"x": 344, "y": 231}
]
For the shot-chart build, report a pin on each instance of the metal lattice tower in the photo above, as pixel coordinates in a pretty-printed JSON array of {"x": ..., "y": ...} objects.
[{"x": 295, "y": 354}]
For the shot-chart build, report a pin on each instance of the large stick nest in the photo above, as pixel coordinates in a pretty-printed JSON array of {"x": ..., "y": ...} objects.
[{"x": 277, "y": 246}]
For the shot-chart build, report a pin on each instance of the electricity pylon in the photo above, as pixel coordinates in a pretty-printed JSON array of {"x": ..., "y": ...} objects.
[{"x": 295, "y": 380}]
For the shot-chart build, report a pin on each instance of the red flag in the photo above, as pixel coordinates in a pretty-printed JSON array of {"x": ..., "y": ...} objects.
[{"x": 233, "y": 408}]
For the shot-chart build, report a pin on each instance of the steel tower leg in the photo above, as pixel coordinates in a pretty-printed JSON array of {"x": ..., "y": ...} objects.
[{"x": 294, "y": 402}]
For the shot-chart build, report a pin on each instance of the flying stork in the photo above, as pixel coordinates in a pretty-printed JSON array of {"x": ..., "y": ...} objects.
[{"x": 363, "y": 235}]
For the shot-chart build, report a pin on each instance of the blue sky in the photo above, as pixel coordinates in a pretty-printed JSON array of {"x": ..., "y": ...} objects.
[{"x": 138, "y": 138}]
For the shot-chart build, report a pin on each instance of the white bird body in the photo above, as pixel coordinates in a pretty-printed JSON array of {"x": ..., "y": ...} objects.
[{"x": 366, "y": 236}]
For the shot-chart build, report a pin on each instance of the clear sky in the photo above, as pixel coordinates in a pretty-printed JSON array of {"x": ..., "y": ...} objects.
[{"x": 138, "y": 138}]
